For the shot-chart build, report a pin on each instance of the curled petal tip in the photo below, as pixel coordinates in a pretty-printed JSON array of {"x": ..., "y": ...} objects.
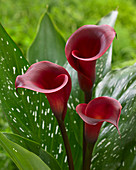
[
  {"x": 50, "y": 79},
  {"x": 96, "y": 112},
  {"x": 84, "y": 47}
]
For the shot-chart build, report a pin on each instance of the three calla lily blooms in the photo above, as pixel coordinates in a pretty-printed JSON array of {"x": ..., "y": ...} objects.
[{"x": 82, "y": 49}]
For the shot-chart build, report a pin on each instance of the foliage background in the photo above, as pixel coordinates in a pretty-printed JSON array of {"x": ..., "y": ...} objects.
[{"x": 20, "y": 19}]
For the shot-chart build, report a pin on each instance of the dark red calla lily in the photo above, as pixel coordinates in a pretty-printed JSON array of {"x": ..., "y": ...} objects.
[
  {"x": 50, "y": 79},
  {"x": 96, "y": 112},
  {"x": 84, "y": 47}
]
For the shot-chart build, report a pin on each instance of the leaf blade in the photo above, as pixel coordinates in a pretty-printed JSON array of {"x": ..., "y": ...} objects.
[
  {"x": 48, "y": 43},
  {"x": 119, "y": 153},
  {"x": 22, "y": 157},
  {"x": 35, "y": 148}
]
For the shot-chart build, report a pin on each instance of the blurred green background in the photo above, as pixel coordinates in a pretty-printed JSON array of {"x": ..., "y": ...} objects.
[{"x": 20, "y": 19}]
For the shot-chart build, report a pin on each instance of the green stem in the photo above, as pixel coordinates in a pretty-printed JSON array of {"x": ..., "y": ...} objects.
[
  {"x": 66, "y": 143},
  {"x": 88, "y": 156}
]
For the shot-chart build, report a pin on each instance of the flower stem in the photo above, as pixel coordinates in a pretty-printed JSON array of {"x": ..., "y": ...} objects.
[
  {"x": 88, "y": 156},
  {"x": 66, "y": 143},
  {"x": 88, "y": 97}
]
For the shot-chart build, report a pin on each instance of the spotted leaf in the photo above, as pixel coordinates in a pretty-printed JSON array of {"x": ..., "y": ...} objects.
[{"x": 111, "y": 151}]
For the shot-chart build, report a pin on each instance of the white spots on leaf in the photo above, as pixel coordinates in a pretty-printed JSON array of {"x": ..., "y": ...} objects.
[
  {"x": 20, "y": 57},
  {"x": 107, "y": 144},
  {"x": 115, "y": 147},
  {"x": 68, "y": 105},
  {"x": 134, "y": 148},
  {"x": 25, "y": 115},
  {"x": 7, "y": 42},
  {"x": 95, "y": 156},
  {"x": 18, "y": 110},
  {"x": 1, "y": 39},
  {"x": 21, "y": 129},
  {"x": 77, "y": 100},
  {"x": 2, "y": 58},
  {"x": 14, "y": 150},
  {"x": 48, "y": 110},
  {"x": 37, "y": 108},
  {"x": 60, "y": 148},
  {"x": 43, "y": 124},
  {"x": 22, "y": 71},
  {"x": 123, "y": 163},
  {"x": 114, "y": 128},
  {"x": 28, "y": 99},
  {"x": 100, "y": 143},
  {"x": 72, "y": 106},
  {"x": 111, "y": 90},
  {"x": 56, "y": 130},
  {"x": 56, "y": 156},
  {"x": 25, "y": 68},
  {"x": 35, "y": 114},
  {"x": 52, "y": 135},
  {"x": 49, "y": 126},
  {"x": 14, "y": 70},
  {"x": 14, "y": 120},
  {"x": 65, "y": 159},
  {"x": 131, "y": 73},
  {"x": 45, "y": 148},
  {"x": 15, "y": 49},
  {"x": 45, "y": 113}
]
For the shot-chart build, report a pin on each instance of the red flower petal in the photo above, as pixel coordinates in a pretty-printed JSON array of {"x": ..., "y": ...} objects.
[
  {"x": 51, "y": 79},
  {"x": 96, "y": 112},
  {"x": 84, "y": 47}
]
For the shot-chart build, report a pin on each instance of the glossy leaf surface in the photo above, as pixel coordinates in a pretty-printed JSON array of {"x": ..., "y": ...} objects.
[
  {"x": 29, "y": 114},
  {"x": 103, "y": 64},
  {"x": 23, "y": 158},
  {"x": 111, "y": 151},
  {"x": 35, "y": 148}
]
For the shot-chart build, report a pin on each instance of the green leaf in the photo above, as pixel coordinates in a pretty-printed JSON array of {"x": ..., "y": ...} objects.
[
  {"x": 22, "y": 157},
  {"x": 111, "y": 151},
  {"x": 35, "y": 148},
  {"x": 109, "y": 19},
  {"x": 103, "y": 64},
  {"x": 29, "y": 114},
  {"x": 48, "y": 44}
]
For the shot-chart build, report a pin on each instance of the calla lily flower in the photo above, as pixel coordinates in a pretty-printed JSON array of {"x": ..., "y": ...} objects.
[
  {"x": 84, "y": 47},
  {"x": 50, "y": 79},
  {"x": 96, "y": 112}
]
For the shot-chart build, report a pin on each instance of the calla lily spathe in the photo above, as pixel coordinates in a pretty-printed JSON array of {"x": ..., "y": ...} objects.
[
  {"x": 52, "y": 80},
  {"x": 96, "y": 112},
  {"x": 84, "y": 47}
]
